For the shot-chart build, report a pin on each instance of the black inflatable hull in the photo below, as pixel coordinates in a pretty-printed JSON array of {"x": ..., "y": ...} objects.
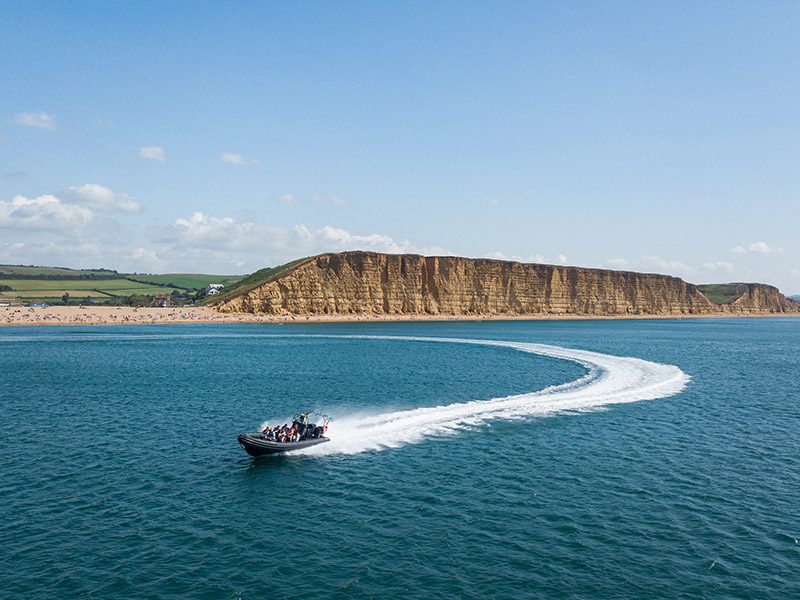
[{"x": 255, "y": 445}]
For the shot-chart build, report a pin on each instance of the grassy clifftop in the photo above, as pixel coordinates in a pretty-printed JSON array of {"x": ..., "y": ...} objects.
[
  {"x": 254, "y": 280},
  {"x": 722, "y": 293}
]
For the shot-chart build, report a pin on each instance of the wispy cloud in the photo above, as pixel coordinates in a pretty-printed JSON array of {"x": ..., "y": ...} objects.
[
  {"x": 153, "y": 153},
  {"x": 757, "y": 248},
  {"x": 237, "y": 159},
  {"x": 98, "y": 196},
  {"x": 318, "y": 198},
  {"x": 40, "y": 120}
]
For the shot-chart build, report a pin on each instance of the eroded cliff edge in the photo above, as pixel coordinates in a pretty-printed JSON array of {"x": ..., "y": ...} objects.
[{"x": 368, "y": 283}]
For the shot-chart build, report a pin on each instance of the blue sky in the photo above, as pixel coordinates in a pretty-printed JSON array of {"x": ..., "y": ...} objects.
[{"x": 224, "y": 137}]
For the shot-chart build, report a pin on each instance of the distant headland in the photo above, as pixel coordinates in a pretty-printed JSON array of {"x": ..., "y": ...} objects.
[
  {"x": 361, "y": 285},
  {"x": 374, "y": 284}
]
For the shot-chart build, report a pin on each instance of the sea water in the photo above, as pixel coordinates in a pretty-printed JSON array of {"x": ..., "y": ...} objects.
[{"x": 654, "y": 459}]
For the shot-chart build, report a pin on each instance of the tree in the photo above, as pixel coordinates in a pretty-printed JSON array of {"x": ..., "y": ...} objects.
[{"x": 65, "y": 298}]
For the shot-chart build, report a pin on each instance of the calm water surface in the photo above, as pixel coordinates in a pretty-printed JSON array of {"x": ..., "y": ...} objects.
[{"x": 120, "y": 475}]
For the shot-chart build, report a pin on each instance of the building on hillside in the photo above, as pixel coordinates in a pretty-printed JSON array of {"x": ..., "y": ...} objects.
[
  {"x": 161, "y": 302},
  {"x": 212, "y": 291}
]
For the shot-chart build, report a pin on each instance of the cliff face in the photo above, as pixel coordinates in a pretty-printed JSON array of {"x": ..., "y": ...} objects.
[
  {"x": 354, "y": 283},
  {"x": 758, "y": 297}
]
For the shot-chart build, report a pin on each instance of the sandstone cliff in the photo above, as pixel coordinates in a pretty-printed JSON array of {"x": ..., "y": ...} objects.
[{"x": 353, "y": 283}]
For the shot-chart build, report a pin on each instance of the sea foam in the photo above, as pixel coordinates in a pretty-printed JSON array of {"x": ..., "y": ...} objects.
[{"x": 609, "y": 380}]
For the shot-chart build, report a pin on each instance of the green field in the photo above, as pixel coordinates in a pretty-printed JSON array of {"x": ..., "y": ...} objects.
[
  {"x": 10, "y": 271},
  {"x": 51, "y": 290},
  {"x": 76, "y": 294},
  {"x": 189, "y": 281},
  {"x": 77, "y": 287},
  {"x": 49, "y": 284},
  {"x": 60, "y": 284}
]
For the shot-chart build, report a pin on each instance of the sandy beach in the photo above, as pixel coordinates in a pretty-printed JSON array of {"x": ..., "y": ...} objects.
[{"x": 125, "y": 315}]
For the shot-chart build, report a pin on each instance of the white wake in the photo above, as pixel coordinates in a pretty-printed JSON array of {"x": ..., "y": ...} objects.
[{"x": 610, "y": 380}]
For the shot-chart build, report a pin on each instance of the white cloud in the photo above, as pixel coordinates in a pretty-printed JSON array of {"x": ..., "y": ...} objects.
[
  {"x": 718, "y": 266},
  {"x": 43, "y": 213},
  {"x": 99, "y": 196},
  {"x": 40, "y": 120},
  {"x": 259, "y": 244},
  {"x": 337, "y": 239},
  {"x": 493, "y": 201},
  {"x": 718, "y": 270},
  {"x": 663, "y": 265},
  {"x": 758, "y": 248},
  {"x": 226, "y": 233},
  {"x": 559, "y": 259},
  {"x": 237, "y": 159},
  {"x": 153, "y": 153},
  {"x": 147, "y": 260},
  {"x": 617, "y": 263},
  {"x": 290, "y": 199},
  {"x": 79, "y": 255},
  {"x": 318, "y": 198}
]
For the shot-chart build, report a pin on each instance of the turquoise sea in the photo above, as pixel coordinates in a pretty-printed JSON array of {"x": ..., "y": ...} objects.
[{"x": 551, "y": 465}]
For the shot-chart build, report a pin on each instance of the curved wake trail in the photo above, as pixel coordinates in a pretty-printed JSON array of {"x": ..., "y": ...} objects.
[{"x": 610, "y": 380}]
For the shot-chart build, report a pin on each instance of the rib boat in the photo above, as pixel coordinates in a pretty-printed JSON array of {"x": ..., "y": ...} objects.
[
  {"x": 306, "y": 432},
  {"x": 256, "y": 445}
]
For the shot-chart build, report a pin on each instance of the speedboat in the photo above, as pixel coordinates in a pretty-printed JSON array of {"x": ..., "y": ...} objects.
[
  {"x": 267, "y": 441},
  {"x": 255, "y": 444}
]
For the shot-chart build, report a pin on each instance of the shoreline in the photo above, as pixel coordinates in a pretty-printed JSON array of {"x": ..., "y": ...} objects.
[{"x": 125, "y": 315}]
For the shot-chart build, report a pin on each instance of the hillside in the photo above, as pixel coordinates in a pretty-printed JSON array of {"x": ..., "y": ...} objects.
[
  {"x": 53, "y": 285},
  {"x": 353, "y": 283}
]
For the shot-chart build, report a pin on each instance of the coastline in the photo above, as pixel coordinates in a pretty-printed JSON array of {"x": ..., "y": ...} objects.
[{"x": 124, "y": 315}]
